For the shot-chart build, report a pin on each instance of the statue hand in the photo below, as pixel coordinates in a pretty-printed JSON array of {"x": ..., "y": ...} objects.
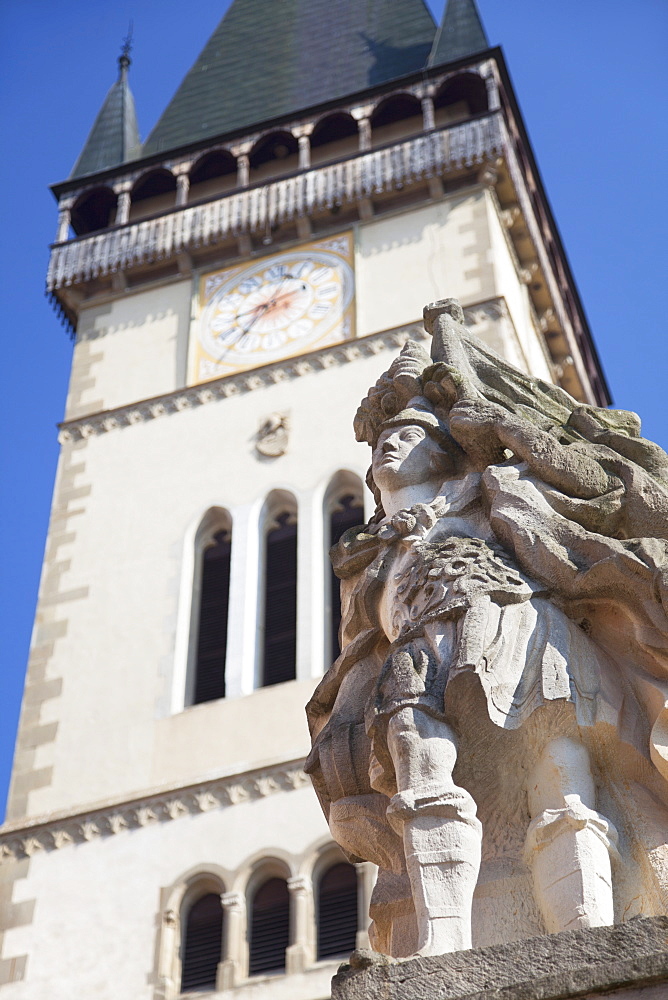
[{"x": 475, "y": 425}]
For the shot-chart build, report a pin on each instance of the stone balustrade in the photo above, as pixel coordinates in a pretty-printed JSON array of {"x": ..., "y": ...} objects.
[{"x": 431, "y": 154}]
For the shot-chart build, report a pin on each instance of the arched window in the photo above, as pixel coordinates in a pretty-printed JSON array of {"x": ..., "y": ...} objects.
[
  {"x": 213, "y": 174},
  {"x": 273, "y": 155},
  {"x": 269, "y": 927},
  {"x": 337, "y": 911},
  {"x": 395, "y": 118},
  {"x": 201, "y": 944},
  {"x": 211, "y": 607},
  {"x": 155, "y": 191},
  {"x": 334, "y": 136},
  {"x": 344, "y": 509},
  {"x": 460, "y": 97},
  {"x": 94, "y": 210},
  {"x": 279, "y": 646}
]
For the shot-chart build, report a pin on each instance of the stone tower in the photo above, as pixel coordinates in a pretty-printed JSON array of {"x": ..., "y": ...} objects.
[{"x": 235, "y": 283}]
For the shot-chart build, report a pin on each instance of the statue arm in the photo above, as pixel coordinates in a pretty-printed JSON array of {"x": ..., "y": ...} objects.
[{"x": 565, "y": 467}]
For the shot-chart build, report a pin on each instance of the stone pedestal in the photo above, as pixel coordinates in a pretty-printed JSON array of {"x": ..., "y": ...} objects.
[{"x": 625, "y": 962}]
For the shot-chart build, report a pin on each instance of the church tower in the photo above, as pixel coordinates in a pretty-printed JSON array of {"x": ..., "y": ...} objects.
[{"x": 233, "y": 286}]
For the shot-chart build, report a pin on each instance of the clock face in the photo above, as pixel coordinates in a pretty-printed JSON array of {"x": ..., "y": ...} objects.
[{"x": 275, "y": 307}]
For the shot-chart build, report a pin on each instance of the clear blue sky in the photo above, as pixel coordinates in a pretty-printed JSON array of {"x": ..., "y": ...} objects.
[{"x": 590, "y": 78}]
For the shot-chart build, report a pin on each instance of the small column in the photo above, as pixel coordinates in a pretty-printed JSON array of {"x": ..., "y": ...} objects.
[
  {"x": 168, "y": 956},
  {"x": 304, "y": 152},
  {"x": 229, "y": 967},
  {"x": 493, "y": 98},
  {"x": 366, "y": 879},
  {"x": 364, "y": 129},
  {"x": 64, "y": 218},
  {"x": 311, "y": 555},
  {"x": 123, "y": 208},
  {"x": 182, "y": 189},
  {"x": 243, "y": 602},
  {"x": 300, "y": 953},
  {"x": 428, "y": 113},
  {"x": 243, "y": 170}
]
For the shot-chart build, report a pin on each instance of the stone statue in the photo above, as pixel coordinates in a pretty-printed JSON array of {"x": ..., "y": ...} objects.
[{"x": 502, "y": 690}]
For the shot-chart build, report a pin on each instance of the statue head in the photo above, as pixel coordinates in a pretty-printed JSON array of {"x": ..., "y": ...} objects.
[{"x": 414, "y": 447}]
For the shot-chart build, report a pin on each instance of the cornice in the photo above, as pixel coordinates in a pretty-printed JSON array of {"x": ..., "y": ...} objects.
[
  {"x": 260, "y": 378},
  {"x": 62, "y": 830}
]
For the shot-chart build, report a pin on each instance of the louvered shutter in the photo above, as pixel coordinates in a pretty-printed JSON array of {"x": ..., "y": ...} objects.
[
  {"x": 202, "y": 944},
  {"x": 337, "y": 911},
  {"x": 280, "y": 609},
  {"x": 213, "y": 615},
  {"x": 348, "y": 513},
  {"x": 269, "y": 927}
]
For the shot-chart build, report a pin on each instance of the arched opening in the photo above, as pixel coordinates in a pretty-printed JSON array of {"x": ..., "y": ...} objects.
[
  {"x": 337, "y": 911},
  {"x": 335, "y": 136},
  {"x": 269, "y": 927},
  {"x": 213, "y": 174},
  {"x": 279, "y": 645},
  {"x": 395, "y": 118},
  {"x": 211, "y": 600},
  {"x": 201, "y": 948},
  {"x": 273, "y": 155},
  {"x": 460, "y": 97},
  {"x": 94, "y": 210},
  {"x": 344, "y": 509},
  {"x": 153, "y": 192}
]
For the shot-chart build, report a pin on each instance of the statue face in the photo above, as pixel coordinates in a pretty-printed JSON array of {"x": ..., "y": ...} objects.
[{"x": 405, "y": 456}]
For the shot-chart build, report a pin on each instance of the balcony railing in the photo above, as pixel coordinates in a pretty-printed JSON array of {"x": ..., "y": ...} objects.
[{"x": 254, "y": 209}]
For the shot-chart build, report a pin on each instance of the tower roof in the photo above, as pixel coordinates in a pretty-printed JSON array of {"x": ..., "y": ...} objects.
[
  {"x": 460, "y": 33},
  {"x": 114, "y": 137},
  {"x": 268, "y": 59}
]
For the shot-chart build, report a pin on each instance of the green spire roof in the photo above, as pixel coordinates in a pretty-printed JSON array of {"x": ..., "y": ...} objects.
[
  {"x": 114, "y": 137},
  {"x": 269, "y": 58},
  {"x": 461, "y": 33}
]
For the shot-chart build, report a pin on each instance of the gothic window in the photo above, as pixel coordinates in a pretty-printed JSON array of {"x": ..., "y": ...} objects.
[
  {"x": 279, "y": 632},
  {"x": 345, "y": 509},
  {"x": 337, "y": 911},
  {"x": 269, "y": 927},
  {"x": 211, "y": 599},
  {"x": 202, "y": 931}
]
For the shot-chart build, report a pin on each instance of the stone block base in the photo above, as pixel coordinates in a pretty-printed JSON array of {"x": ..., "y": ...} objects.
[{"x": 625, "y": 962}]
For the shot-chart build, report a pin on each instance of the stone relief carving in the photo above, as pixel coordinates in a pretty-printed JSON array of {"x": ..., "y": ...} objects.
[
  {"x": 272, "y": 437},
  {"x": 501, "y": 700}
]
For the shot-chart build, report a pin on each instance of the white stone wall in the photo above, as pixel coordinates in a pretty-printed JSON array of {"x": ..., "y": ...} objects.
[
  {"x": 529, "y": 351},
  {"x": 424, "y": 254},
  {"x": 97, "y": 925},
  {"x": 123, "y": 658},
  {"x": 131, "y": 348}
]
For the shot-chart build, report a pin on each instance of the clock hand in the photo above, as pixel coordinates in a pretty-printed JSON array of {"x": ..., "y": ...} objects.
[
  {"x": 273, "y": 299},
  {"x": 259, "y": 311}
]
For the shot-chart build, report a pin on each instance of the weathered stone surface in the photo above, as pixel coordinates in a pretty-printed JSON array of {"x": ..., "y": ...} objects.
[
  {"x": 494, "y": 734},
  {"x": 627, "y": 961}
]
